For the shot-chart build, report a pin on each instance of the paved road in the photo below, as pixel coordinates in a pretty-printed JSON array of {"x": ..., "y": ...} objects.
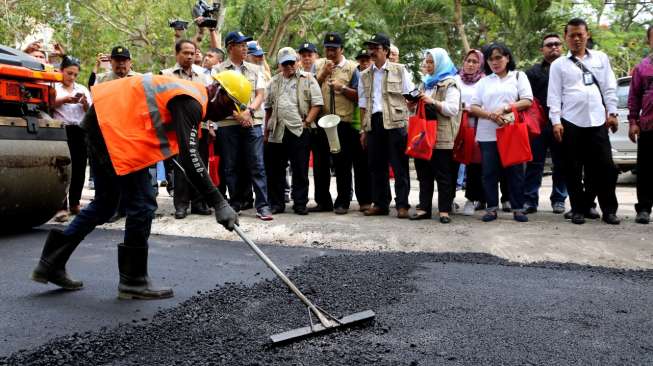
[{"x": 31, "y": 313}]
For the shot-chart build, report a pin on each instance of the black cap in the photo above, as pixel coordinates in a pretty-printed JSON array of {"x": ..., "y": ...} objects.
[
  {"x": 333, "y": 39},
  {"x": 362, "y": 53},
  {"x": 236, "y": 37},
  {"x": 307, "y": 46},
  {"x": 120, "y": 51},
  {"x": 379, "y": 39}
]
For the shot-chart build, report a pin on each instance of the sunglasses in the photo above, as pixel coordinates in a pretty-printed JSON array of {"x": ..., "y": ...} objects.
[
  {"x": 288, "y": 63},
  {"x": 553, "y": 44}
]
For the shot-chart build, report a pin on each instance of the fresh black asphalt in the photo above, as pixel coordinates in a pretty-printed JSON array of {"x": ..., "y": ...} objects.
[{"x": 451, "y": 309}]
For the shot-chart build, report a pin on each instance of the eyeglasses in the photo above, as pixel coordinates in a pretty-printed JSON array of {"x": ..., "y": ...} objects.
[
  {"x": 553, "y": 44},
  {"x": 288, "y": 64}
]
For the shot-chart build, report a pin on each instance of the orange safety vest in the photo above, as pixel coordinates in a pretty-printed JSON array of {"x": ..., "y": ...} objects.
[{"x": 134, "y": 119}]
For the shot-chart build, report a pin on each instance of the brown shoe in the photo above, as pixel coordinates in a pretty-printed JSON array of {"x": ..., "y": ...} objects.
[
  {"x": 402, "y": 213},
  {"x": 364, "y": 207},
  {"x": 376, "y": 211},
  {"x": 75, "y": 209}
]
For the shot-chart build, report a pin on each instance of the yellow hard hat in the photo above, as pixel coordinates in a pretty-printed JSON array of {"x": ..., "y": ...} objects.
[{"x": 236, "y": 86}]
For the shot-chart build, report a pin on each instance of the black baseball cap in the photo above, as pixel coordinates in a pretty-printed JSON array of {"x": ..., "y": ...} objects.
[
  {"x": 236, "y": 37},
  {"x": 120, "y": 51},
  {"x": 333, "y": 39},
  {"x": 380, "y": 39},
  {"x": 362, "y": 54},
  {"x": 307, "y": 46}
]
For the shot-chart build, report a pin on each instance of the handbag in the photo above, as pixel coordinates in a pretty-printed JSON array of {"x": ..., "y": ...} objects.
[
  {"x": 533, "y": 116},
  {"x": 214, "y": 166},
  {"x": 513, "y": 142},
  {"x": 422, "y": 134},
  {"x": 465, "y": 148}
]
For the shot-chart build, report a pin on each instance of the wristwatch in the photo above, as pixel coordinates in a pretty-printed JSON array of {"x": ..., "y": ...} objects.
[
  {"x": 251, "y": 111},
  {"x": 613, "y": 114}
]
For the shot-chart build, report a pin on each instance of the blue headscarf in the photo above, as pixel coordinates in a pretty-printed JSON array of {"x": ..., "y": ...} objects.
[{"x": 443, "y": 67}]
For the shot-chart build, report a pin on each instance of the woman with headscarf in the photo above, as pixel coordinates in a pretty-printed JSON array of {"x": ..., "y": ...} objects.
[{"x": 441, "y": 94}]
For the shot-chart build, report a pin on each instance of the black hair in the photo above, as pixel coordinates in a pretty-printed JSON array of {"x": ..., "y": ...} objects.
[
  {"x": 576, "y": 22},
  {"x": 216, "y": 50},
  {"x": 70, "y": 61},
  {"x": 649, "y": 32},
  {"x": 180, "y": 43},
  {"x": 504, "y": 50},
  {"x": 550, "y": 35}
]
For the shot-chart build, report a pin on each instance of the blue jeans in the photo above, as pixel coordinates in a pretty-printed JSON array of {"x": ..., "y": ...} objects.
[
  {"x": 232, "y": 139},
  {"x": 492, "y": 170},
  {"x": 136, "y": 193},
  {"x": 535, "y": 170}
]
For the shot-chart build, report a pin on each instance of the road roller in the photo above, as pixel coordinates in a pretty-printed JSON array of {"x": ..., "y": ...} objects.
[{"x": 34, "y": 157}]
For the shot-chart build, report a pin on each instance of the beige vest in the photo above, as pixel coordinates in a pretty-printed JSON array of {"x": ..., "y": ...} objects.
[
  {"x": 303, "y": 98},
  {"x": 344, "y": 107},
  {"x": 250, "y": 71},
  {"x": 447, "y": 125},
  {"x": 110, "y": 75},
  {"x": 395, "y": 110}
]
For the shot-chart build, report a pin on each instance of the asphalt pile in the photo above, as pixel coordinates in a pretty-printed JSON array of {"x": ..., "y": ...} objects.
[{"x": 454, "y": 309}]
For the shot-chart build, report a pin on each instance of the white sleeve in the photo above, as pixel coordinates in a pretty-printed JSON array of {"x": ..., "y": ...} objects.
[
  {"x": 477, "y": 97},
  {"x": 362, "y": 98},
  {"x": 524, "y": 87},
  {"x": 554, "y": 96},
  {"x": 408, "y": 85},
  {"x": 260, "y": 80},
  {"x": 451, "y": 103},
  {"x": 88, "y": 95}
]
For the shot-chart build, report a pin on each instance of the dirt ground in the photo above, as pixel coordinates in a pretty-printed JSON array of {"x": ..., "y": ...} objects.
[{"x": 547, "y": 237}]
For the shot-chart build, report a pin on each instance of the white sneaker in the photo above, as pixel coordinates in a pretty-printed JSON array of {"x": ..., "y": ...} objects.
[{"x": 469, "y": 208}]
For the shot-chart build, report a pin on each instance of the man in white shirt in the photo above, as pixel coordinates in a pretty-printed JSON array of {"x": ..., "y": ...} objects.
[{"x": 582, "y": 104}]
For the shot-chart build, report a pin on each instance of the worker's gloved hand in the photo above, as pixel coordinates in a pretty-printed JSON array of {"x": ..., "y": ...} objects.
[{"x": 226, "y": 216}]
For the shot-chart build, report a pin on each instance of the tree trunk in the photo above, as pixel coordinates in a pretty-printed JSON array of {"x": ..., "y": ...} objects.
[{"x": 460, "y": 26}]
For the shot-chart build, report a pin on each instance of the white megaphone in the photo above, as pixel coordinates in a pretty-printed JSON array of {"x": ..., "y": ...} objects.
[{"x": 330, "y": 125}]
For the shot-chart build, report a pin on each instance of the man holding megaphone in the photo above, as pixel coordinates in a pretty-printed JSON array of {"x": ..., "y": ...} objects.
[{"x": 338, "y": 79}]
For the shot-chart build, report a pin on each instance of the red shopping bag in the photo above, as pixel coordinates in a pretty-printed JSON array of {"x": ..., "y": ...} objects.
[
  {"x": 214, "y": 166},
  {"x": 465, "y": 148},
  {"x": 534, "y": 118},
  {"x": 421, "y": 135},
  {"x": 513, "y": 143}
]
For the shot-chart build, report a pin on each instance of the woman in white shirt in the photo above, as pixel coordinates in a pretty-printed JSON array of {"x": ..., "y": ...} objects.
[
  {"x": 492, "y": 103},
  {"x": 72, "y": 102},
  {"x": 441, "y": 95}
]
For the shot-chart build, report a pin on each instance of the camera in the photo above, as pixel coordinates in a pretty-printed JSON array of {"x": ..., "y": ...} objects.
[
  {"x": 206, "y": 11},
  {"x": 413, "y": 95},
  {"x": 178, "y": 24}
]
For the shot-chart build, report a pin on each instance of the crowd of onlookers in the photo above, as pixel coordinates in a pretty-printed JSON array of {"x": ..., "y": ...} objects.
[{"x": 374, "y": 96}]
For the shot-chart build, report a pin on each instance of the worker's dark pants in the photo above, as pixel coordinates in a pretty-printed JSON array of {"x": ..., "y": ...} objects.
[
  {"x": 587, "y": 150},
  {"x": 78, "y": 156},
  {"x": 387, "y": 147},
  {"x": 443, "y": 170},
  {"x": 296, "y": 150},
  {"x": 644, "y": 172},
  {"x": 184, "y": 192},
  {"x": 351, "y": 155},
  {"x": 138, "y": 197},
  {"x": 321, "y": 167}
]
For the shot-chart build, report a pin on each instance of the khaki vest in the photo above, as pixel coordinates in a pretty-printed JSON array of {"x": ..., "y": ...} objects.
[
  {"x": 110, "y": 75},
  {"x": 395, "y": 110},
  {"x": 250, "y": 72},
  {"x": 447, "y": 125},
  {"x": 344, "y": 107},
  {"x": 303, "y": 98}
]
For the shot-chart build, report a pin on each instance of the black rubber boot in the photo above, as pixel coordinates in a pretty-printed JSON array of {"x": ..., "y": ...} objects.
[
  {"x": 134, "y": 281},
  {"x": 52, "y": 265}
]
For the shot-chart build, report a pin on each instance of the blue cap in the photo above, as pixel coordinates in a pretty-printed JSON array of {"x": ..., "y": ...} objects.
[
  {"x": 254, "y": 49},
  {"x": 286, "y": 54},
  {"x": 307, "y": 46},
  {"x": 236, "y": 37}
]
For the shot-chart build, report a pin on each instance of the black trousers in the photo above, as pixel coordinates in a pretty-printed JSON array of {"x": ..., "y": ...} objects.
[
  {"x": 443, "y": 170},
  {"x": 588, "y": 168},
  {"x": 644, "y": 172},
  {"x": 184, "y": 192},
  {"x": 351, "y": 155},
  {"x": 321, "y": 166},
  {"x": 474, "y": 184},
  {"x": 387, "y": 147},
  {"x": 296, "y": 150},
  {"x": 79, "y": 157}
]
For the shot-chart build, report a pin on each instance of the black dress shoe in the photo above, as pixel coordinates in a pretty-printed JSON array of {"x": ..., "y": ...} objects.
[
  {"x": 301, "y": 210},
  {"x": 592, "y": 214},
  {"x": 530, "y": 210},
  {"x": 643, "y": 217},
  {"x": 340, "y": 210},
  {"x": 247, "y": 205},
  {"x": 445, "y": 219},
  {"x": 201, "y": 210},
  {"x": 277, "y": 210},
  {"x": 577, "y": 218},
  {"x": 320, "y": 208},
  {"x": 568, "y": 215},
  {"x": 180, "y": 213},
  {"x": 611, "y": 219}
]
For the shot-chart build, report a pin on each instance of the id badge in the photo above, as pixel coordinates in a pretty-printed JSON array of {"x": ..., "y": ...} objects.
[{"x": 587, "y": 78}]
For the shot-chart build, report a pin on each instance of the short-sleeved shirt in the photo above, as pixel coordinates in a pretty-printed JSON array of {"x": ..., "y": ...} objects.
[
  {"x": 492, "y": 93},
  {"x": 71, "y": 113},
  {"x": 466, "y": 92}
]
